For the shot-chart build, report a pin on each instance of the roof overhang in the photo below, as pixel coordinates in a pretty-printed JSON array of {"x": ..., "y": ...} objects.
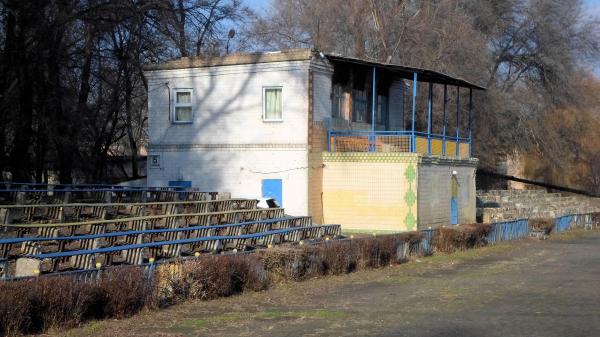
[{"x": 423, "y": 75}]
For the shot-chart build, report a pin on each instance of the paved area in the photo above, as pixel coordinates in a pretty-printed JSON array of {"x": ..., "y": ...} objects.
[{"x": 525, "y": 288}]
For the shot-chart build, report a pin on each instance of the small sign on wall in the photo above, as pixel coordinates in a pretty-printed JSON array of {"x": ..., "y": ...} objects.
[{"x": 154, "y": 161}]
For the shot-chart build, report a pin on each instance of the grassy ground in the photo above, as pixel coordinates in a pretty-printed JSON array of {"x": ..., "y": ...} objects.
[{"x": 524, "y": 288}]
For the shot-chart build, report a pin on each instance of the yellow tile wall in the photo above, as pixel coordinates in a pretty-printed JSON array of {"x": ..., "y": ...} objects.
[{"x": 368, "y": 192}]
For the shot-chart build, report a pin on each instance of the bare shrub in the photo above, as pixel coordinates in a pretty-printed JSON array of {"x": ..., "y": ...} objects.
[
  {"x": 212, "y": 277},
  {"x": 14, "y": 307},
  {"x": 38, "y": 304},
  {"x": 340, "y": 257},
  {"x": 451, "y": 239},
  {"x": 123, "y": 292},
  {"x": 545, "y": 225}
]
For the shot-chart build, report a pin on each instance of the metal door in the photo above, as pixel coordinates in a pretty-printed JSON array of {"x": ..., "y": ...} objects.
[
  {"x": 454, "y": 202},
  {"x": 272, "y": 188}
]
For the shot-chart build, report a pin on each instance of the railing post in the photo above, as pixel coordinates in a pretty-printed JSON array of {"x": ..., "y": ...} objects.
[
  {"x": 444, "y": 120},
  {"x": 470, "y": 121},
  {"x": 414, "y": 108},
  {"x": 457, "y": 122},
  {"x": 328, "y": 140},
  {"x": 429, "y": 110}
]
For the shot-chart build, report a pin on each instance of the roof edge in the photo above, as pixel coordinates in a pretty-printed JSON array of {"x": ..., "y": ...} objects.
[{"x": 233, "y": 59}]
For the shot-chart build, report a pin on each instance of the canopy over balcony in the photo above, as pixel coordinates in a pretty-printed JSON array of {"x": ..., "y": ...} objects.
[{"x": 406, "y": 138}]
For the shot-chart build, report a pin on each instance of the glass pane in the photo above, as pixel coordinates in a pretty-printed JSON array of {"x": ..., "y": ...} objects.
[
  {"x": 273, "y": 105},
  {"x": 184, "y": 97},
  {"x": 183, "y": 114}
]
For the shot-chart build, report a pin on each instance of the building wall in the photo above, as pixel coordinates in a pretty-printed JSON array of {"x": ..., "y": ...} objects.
[
  {"x": 370, "y": 191},
  {"x": 228, "y": 104},
  {"x": 239, "y": 171},
  {"x": 435, "y": 179},
  {"x": 322, "y": 94},
  {"x": 229, "y": 147}
]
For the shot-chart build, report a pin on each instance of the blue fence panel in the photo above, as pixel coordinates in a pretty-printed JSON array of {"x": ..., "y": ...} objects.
[
  {"x": 563, "y": 223},
  {"x": 426, "y": 241},
  {"x": 508, "y": 230}
]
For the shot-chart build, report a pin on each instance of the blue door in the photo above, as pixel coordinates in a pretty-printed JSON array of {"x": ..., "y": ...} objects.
[
  {"x": 271, "y": 188},
  {"x": 180, "y": 183},
  {"x": 454, "y": 201},
  {"x": 454, "y": 211}
]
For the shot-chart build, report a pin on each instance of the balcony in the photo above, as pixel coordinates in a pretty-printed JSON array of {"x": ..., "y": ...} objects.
[{"x": 398, "y": 141}]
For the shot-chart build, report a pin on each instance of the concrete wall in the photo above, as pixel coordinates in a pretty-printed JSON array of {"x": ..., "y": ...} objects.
[
  {"x": 228, "y": 147},
  {"x": 435, "y": 181}
]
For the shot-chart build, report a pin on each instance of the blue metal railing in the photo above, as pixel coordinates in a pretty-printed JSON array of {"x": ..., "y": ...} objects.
[
  {"x": 401, "y": 141},
  {"x": 267, "y": 234}
]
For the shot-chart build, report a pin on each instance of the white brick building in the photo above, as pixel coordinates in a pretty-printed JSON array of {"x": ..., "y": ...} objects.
[{"x": 255, "y": 124}]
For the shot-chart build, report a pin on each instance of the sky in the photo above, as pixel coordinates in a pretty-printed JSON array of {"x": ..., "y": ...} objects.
[{"x": 593, "y": 6}]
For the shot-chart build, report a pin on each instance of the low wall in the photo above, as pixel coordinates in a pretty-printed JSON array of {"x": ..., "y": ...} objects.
[{"x": 394, "y": 191}]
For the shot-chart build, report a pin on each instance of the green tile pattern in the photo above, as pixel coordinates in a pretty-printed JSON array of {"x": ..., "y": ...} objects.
[
  {"x": 371, "y": 157},
  {"x": 410, "y": 197}
]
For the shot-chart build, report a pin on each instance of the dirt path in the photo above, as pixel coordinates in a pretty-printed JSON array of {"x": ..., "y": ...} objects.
[{"x": 526, "y": 288}]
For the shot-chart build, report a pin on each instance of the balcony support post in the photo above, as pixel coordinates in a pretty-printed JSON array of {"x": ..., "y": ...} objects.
[
  {"x": 470, "y": 121},
  {"x": 457, "y": 122},
  {"x": 429, "y": 110},
  {"x": 413, "y": 145},
  {"x": 373, "y": 141},
  {"x": 444, "y": 121}
]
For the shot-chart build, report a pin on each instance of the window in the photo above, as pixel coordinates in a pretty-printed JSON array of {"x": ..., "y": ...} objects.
[
  {"x": 272, "y": 104},
  {"x": 381, "y": 114},
  {"x": 338, "y": 104},
  {"x": 182, "y": 105},
  {"x": 360, "y": 105}
]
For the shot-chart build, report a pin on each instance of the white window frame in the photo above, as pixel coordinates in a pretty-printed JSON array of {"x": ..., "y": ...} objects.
[
  {"x": 264, "y": 104},
  {"x": 176, "y": 105}
]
